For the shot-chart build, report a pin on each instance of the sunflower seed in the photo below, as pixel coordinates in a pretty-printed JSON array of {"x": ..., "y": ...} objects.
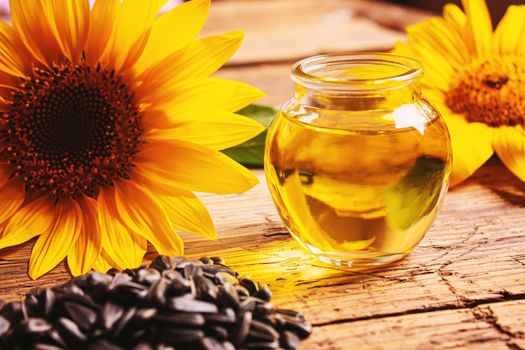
[
  {"x": 241, "y": 291},
  {"x": 180, "y": 335},
  {"x": 191, "y": 305},
  {"x": 228, "y": 296},
  {"x": 174, "y": 303},
  {"x": 204, "y": 289},
  {"x": 148, "y": 277},
  {"x": 263, "y": 293},
  {"x": 262, "y": 332},
  {"x": 211, "y": 344},
  {"x": 206, "y": 261},
  {"x": 123, "y": 321},
  {"x": 180, "y": 319},
  {"x": 34, "y": 325},
  {"x": 191, "y": 270},
  {"x": 226, "y": 316},
  {"x": 102, "y": 344},
  {"x": 94, "y": 278},
  {"x": 302, "y": 329},
  {"x": 83, "y": 316},
  {"x": 12, "y": 311},
  {"x": 217, "y": 260},
  {"x": 218, "y": 332},
  {"x": 110, "y": 314},
  {"x": 289, "y": 340},
  {"x": 228, "y": 346},
  {"x": 43, "y": 346},
  {"x": 242, "y": 328},
  {"x": 49, "y": 302},
  {"x": 261, "y": 345},
  {"x": 4, "y": 326},
  {"x": 143, "y": 346},
  {"x": 213, "y": 269},
  {"x": 250, "y": 285},
  {"x": 70, "y": 331},
  {"x": 291, "y": 313}
]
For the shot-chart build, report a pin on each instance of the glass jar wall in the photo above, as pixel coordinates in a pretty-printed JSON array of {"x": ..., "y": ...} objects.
[{"x": 358, "y": 160}]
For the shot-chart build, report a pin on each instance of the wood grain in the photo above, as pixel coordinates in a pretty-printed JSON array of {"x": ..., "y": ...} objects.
[
  {"x": 464, "y": 284},
  {"x": 287, "y": 30}
]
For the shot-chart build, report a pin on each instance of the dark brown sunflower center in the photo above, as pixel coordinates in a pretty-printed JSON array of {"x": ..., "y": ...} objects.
[
  {"x": 71, "y": 129},
  {"x": 491, "y": 92}
]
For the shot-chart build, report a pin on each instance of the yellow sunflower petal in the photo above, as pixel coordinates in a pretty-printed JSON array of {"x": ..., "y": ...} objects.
[
  {"x": 220, "y": 130},
  {"x": 143, "y": 215},
  {"x": 508, "y": 38},
  {"x": 195, "y": 168},
  {"x": 199, "y": 59},
  {"x": 69, "y": 22},
  {"x": 454, "y": 16},
  {"x": 184, "y": 100},
  {"x": 471, "y": 147},
  {"x": 11, "y": 198},
  {"x": 123, "y": 246},
  {"x": 14, "y": 58},
  {"x": 87, "y": 248},
  {"x": 186, "y": 20},
  {"x": 478, "y": 29},
  {"x": 102, "y": 22},
  {"x": 438, "y": 73},
  {"x": 104, "y": 263},
  {"x": 53, "y": 246},
  {"x": 242, "y": 96},
  {"x": 437, "y": 38},
  {"x": 187, "y": 213},
  {"x": 29, "y": 221},
  {"x": 30, "y": 22},
  {"x": 509, "y": 144},
  {"x": 131, "y": 33}
]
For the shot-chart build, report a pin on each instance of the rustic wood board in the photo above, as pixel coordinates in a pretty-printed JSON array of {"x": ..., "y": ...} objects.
[
  {"x": 285, "y": 30},
  {"x": 462, "y": 288}
]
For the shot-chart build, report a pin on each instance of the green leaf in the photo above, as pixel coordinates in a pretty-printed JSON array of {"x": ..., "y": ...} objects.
[
  {"x": 416, "y": 194},
  {"x": 251, "y": 152}
]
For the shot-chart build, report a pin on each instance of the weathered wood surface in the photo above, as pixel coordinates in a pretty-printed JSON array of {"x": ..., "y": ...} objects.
[
  {"x": 462, "y": 288},
  {"x": 284, "y": 30}
]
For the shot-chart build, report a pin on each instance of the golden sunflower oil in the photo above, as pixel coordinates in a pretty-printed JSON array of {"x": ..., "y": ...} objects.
[{"x": 358, "y": 187}]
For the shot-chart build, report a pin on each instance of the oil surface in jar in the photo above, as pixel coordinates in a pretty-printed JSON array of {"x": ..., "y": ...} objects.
[{"x": 357, "y": 186}]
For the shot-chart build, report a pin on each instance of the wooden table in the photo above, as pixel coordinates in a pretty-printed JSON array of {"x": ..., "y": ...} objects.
[{"x": 464, "y": 285}]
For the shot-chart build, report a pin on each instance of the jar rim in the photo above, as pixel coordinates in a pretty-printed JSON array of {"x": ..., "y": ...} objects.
[{"x": 309, "y": 72}]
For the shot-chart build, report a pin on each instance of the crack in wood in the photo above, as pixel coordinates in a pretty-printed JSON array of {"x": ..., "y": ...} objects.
[
  {"x": 465, "y": 305},
  {"x": 486, "y": 314}
]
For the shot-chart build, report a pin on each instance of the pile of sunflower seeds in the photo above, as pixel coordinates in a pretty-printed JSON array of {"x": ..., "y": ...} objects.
[{"x": 175, "y": 303}]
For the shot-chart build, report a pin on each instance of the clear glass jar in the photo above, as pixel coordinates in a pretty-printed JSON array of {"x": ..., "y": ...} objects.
[{"x": 358, "y": 161}]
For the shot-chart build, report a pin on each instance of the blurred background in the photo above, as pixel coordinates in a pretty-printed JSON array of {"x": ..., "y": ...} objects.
[
  {"x": 281, "y": 32},
  {"x": 497, "y": 7}
]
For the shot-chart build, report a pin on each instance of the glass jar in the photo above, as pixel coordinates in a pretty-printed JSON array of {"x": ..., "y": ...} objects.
[{"x": 358, "y": 161}]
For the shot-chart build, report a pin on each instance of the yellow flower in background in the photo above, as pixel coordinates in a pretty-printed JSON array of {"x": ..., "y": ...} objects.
[
  {"x": 476, "y": 78},
  {"x": 109, "y": 122}
]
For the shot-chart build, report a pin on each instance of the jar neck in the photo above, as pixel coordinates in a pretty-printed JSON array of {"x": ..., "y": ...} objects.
[
  {"x": 358, "y": 101},
  {"x": 357, "y": 81}
]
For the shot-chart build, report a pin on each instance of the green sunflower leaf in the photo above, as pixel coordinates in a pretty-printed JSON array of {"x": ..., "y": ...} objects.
[{"x": 251, "y": 152}]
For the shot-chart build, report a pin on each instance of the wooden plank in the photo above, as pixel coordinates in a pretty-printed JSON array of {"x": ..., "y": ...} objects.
[
  {"x": 287, "y": 30},
  {"x": 464, "y": 260},
  {"x": 474, "y": 328}
]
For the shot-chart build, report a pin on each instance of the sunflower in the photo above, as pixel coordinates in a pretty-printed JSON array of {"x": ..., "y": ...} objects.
[
  {"x": 476, "y": 78},
  {"x": 109, "y": 122}
]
